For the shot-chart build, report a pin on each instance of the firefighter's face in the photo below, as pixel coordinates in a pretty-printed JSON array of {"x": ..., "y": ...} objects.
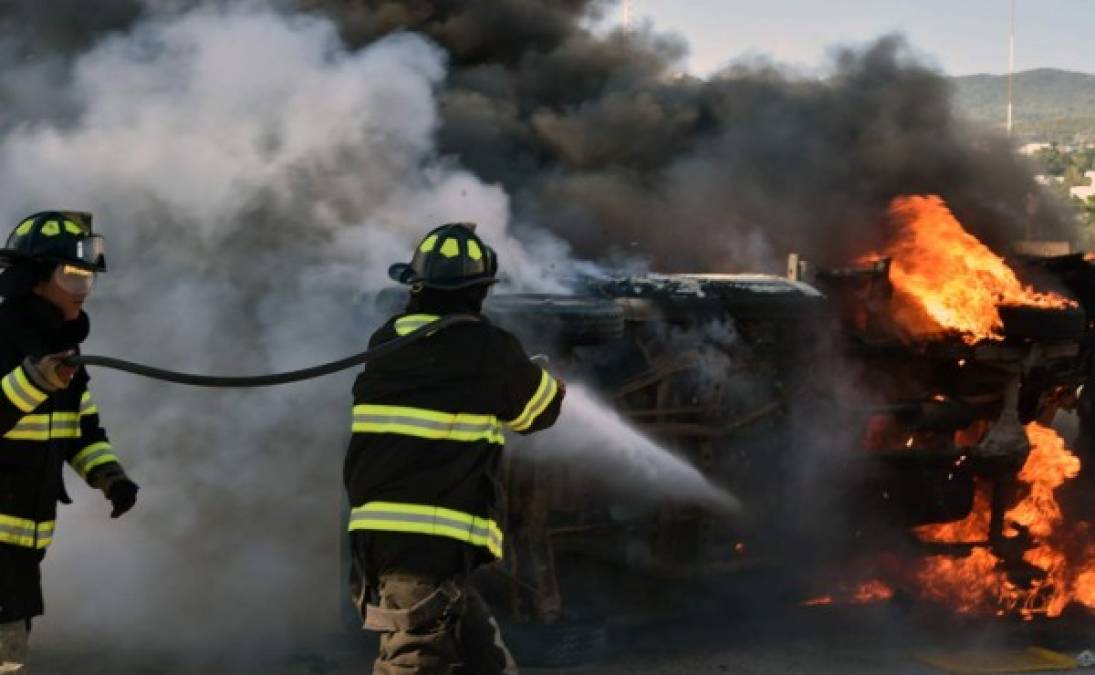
[{"x": 68, "y": 289}]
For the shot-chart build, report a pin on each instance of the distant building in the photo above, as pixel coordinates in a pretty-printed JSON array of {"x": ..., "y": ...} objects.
[
  {"x": 1083, "y": 192},
  {"x": 1031, "y": 148},
  {"x": 1043, "y": 179}
]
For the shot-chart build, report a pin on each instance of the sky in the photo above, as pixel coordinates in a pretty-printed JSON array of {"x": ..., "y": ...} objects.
[{"x": 961, "y": 37}]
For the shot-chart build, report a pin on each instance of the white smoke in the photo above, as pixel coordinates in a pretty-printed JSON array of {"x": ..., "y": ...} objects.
[{"x": 253, "y": 178}]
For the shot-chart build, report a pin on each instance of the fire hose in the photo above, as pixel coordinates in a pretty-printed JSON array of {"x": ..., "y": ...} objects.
[{"x": 273, "y": 379}]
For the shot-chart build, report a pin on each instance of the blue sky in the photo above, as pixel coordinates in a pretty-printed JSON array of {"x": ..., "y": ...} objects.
[{"x": 959, "y": 36}]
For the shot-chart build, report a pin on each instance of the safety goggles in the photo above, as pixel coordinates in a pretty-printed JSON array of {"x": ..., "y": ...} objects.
[
  {"x": 74, "y": 280},
  {"x": 91, "y": 250}
]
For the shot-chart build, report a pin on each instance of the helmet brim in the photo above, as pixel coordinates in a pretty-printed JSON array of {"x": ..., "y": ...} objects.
[{"x": 403, "y": 273}]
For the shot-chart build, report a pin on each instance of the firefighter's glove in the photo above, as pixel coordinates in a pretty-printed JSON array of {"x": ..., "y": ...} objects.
[
  {"x": 118, "y": 488},
  {"x": 50, "y": 373},
  {"x": 123, "y": 495}
]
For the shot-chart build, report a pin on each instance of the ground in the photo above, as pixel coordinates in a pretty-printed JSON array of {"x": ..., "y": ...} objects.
[{"x": 883, "y": 638}]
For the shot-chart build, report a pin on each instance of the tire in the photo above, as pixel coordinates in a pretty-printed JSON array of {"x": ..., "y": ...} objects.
[
  {"x": 571, "y": 319},
  {"x": 1043, "y": 323},
  {"x": 557, "y": 645}
]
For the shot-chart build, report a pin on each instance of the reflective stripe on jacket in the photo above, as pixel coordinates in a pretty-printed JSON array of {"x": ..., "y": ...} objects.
[
  {"x": 431, "y": 520},
  {"x": 427, "y": 426},
  {"x": 40, "y": 431}
]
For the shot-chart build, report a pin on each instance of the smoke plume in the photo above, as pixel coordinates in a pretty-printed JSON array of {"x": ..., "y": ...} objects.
[
  {"x": 256, "y": 166},
  {"x": 605, "y": 143},
  {"x": 253, "y": 177}
]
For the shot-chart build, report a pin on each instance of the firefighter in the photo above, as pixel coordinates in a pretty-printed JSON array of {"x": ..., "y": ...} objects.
[
  {"x": 423, "y": 463},
  {"x": 47, "y": 415}
]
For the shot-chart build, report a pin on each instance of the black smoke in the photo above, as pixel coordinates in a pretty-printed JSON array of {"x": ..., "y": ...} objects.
[{"x": 600, "y": 140}]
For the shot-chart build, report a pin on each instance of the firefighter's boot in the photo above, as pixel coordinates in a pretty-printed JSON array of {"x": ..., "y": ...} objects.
[{"x": 14, "y": 647}]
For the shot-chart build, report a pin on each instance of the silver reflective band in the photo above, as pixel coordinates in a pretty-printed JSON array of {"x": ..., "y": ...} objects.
[
  {"x": 477, "y": 428},
  {"x": 428, "y": 520},
  {"x": 44, "y": 427},
  {"x": 93, "y": 456},
  {"x": 423, "y": 423},
  {"x": 539, "y": 402},
  {"x": 24, "y": 532},
  {"x": 22, "y": 394}
]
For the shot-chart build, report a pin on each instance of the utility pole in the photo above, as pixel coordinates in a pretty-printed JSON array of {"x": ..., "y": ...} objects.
[{"x": 1011, "y": 66}]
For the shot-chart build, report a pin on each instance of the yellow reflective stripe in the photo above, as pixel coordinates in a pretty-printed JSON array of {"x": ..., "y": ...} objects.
[
  {"x": 536, "y": 405},
  {"x": 42, "y": 428},
  {"x": 428, "y": 243},
  {"x": 52, "y": 228},
  {"x": 26, "y": 533},
  {"x": 430, "y": 424},
  {"x": 412, "y": 322},
  {"x": 22, "y": 394},
  {"x": 30, "y": 428},
  {"x": 92, "y": 456},
  {"x": 474, "y": 252},
  {"x": 87, "y": 405},
  {"x": 429, "y": 520}
]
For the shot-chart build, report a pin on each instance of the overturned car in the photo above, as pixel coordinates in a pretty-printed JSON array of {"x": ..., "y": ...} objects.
[{"x": 864, "y": 425}]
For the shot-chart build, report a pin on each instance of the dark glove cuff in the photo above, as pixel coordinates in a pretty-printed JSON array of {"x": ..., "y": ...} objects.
[{"x": 104, "y": 477}]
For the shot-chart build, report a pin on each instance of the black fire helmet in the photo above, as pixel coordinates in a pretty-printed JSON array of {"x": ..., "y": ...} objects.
[
  {"x": 451, "y": 257},
  {"x": 60, "y": 237}
]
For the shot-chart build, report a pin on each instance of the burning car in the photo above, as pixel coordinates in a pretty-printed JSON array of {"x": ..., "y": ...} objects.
[{"x": 910, "y": 395}]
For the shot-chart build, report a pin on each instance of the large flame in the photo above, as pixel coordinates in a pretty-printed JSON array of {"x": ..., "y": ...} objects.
[
  {"x": 978, "y": 583},
  {"x": 945, "y": 280}
]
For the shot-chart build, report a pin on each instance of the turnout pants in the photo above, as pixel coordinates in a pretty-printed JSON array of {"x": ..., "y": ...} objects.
[{"x": 435, "y": 628}]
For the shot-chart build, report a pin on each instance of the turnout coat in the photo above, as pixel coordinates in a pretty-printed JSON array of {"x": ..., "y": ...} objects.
[
  {"x": 39, "y": 433},
  {"x": 423, "y": 463}
]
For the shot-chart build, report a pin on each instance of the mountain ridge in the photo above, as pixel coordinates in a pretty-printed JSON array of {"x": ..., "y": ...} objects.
[{"x": 1050, "y": 104}]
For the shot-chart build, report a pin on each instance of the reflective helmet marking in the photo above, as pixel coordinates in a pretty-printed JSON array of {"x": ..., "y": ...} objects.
[
  {"x": 450, "y": 248},
  {"x": 428, "y": 243},
  {"x": 25, "y": 227},
  {"x": 474, "y": 252},
  {"x": 73, "y": 228},
  {"x": 52, "y": 228}
]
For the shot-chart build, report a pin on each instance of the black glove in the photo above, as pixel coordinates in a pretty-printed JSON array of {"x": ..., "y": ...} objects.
[{"x": 122, "y": 493}]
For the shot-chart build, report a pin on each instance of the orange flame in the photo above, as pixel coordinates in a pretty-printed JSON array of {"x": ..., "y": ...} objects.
[
  {"x": 1047, "y": 468},
  {"x": 866, "y": 593},
  {"x": 871, "y": 591},
  {"x": 977, "y": 583},
  {"x": 945, "y": 280},
  {"x": 972, "y": 528}
]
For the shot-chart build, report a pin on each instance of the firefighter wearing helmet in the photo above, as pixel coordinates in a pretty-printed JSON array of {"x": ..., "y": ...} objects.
[
  {"x": 47, "y": 415},
  {"x": 423, "y": 463}
]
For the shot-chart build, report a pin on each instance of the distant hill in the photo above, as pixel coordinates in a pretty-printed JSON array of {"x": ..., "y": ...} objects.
[{"x": 1050, "y": 105}]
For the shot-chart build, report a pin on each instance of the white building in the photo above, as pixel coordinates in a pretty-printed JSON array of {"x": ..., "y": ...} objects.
[
  {"x": 1031, "y": 148},
  {"x": 1082, "y": 192}
]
